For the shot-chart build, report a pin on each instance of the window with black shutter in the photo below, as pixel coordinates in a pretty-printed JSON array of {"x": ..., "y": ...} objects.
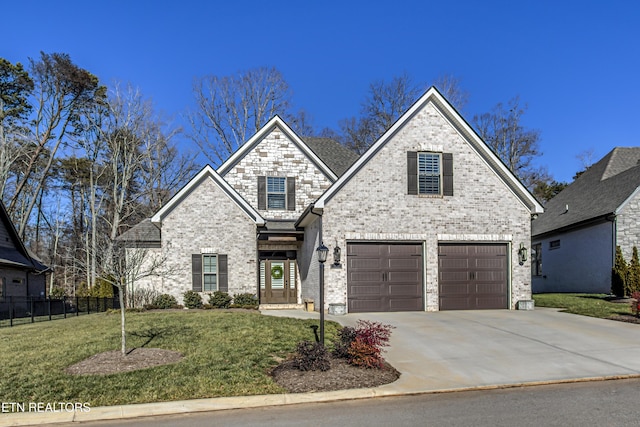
[{"x": 429, "y": 173}]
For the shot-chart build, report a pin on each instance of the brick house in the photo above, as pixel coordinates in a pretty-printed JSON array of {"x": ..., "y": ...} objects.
[
  {"x": 427, "y": 219},
  {"x": 574, "y": 241}
]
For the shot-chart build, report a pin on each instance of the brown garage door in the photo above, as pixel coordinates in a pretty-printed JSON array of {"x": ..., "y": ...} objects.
[
  {"x": 384, "y": 277},
  {"x": 472, "y": 276}
]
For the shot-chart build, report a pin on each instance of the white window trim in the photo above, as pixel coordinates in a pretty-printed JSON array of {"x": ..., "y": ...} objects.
[
  {"x": 440, "y": 177},
  {"x": 284, "y": 208},
  {"x": 217, "y": 273}
]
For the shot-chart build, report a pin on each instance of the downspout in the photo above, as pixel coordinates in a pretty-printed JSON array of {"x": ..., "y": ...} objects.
[
  {"x": 320, "y": 291},
  {"x": 614, "y": 236}
]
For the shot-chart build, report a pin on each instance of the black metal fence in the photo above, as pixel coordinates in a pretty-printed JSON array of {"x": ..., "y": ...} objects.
[{"x": 20, "y": 310}]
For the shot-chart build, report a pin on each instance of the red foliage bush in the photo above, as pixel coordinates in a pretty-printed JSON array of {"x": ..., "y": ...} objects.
[{"x": 366, "y": 347}]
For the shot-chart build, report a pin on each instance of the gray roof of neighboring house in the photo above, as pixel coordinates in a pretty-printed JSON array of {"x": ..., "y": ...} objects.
[
  {"x": 335, "y": 155},
  {"x": 597, "y": 193},
  {"x": 144, "y": 231}
]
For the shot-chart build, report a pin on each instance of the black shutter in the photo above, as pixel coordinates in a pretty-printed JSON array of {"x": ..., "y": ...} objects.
[
  {"x": 291, "y": 193},
  {"x": 223, "y": 275},
  {"x": 412, "y": 172},
  {"x": 447, "y": 174},
  {"x": 262, "y": 192},
  {"x": 196, "y": 272}
]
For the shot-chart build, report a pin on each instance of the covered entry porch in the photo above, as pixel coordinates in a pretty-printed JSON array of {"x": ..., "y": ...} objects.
[{"x": 278, "y": 279}]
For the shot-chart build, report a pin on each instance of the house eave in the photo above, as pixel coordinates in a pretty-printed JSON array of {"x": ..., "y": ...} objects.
[{"x": 600, "y": 219}]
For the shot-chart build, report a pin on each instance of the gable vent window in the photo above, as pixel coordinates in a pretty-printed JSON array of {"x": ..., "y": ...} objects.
[
  {"x": 430, "y": 173},
  {"x": 554, "y": 244},
  {"x": 276, "y": 193}
]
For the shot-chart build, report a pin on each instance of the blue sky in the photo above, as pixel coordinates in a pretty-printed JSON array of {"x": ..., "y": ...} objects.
[{"x": 576, "y": 64}]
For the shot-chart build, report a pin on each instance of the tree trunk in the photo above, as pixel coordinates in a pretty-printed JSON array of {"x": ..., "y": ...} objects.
[{"x": 122, "y": 319}]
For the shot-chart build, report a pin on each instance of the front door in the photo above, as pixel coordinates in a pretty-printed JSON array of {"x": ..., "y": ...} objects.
[{"x": 278, "y": 282}]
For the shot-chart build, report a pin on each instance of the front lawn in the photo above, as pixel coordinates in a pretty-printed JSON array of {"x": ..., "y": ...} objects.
[
  {"x": 225, "y": 354},
  {"x": 594, "y": 305}
]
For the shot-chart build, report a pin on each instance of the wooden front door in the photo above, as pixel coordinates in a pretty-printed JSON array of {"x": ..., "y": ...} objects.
[{"x": 278, "y": 283}]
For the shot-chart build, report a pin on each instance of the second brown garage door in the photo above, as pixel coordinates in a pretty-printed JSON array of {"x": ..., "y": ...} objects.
[
  {"x": 384, "y": 277},
  {"x": 472, "y": 276}
]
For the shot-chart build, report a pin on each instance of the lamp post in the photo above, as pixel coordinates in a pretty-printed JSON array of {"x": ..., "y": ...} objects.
[{"x": 322, "y": 252}]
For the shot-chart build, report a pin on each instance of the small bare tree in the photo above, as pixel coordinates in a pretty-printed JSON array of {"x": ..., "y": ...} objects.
[{"x": 126, "y": 265}]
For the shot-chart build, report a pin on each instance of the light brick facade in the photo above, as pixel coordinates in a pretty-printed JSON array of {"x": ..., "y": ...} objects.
[
  {"x": 208, "y": 221},
  {"x": 277, "y": 155},
  {"x": 374, "y": 206}
]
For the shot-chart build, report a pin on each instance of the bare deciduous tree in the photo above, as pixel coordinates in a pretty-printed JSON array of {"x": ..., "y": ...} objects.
[
  {"x": 232, "y": 108},
  {"x": 516, "y": 146}
]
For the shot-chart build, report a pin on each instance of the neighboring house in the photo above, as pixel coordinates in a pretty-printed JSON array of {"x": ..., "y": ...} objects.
[
  {"x": 427, "y": 219},
  {"x": 21, "y": 273},
  {"x": 574, "y": 241}
]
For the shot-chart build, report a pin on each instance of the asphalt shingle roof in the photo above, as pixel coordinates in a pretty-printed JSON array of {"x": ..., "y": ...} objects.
[
  {"x": 336, "y": 156},
  {"x": 598, "y": 192},
  {"x": 144, "y": 231}
]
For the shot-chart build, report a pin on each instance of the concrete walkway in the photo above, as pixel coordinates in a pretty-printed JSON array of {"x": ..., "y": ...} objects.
[{"x": 441, "y": 352}]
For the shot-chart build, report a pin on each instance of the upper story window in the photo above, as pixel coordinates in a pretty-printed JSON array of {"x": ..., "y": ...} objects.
[
  {"x": 276, "y": 192},
  {"x": 430, "y": 173},
  {"x": 429, "y": 170},
  {"x": 554, "y": 244}
]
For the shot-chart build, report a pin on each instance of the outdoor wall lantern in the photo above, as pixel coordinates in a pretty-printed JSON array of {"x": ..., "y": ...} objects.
[
  {"x": 322, "y": 252},
  {"x": 337, "y": 252},
  {"x": 522, "y": 254}
]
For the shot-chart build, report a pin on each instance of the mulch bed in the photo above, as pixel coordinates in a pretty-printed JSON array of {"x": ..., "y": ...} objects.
[
  {"x": 113, "y": 362},
  {"x": 341, "y": 376},
  {"x": 629, "y": 318}
]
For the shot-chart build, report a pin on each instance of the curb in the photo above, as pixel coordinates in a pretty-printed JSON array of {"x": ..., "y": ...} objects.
[{"x": 107, "y": 413}]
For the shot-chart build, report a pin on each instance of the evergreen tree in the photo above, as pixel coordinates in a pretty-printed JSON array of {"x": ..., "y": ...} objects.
[
  {"x": 633, "y": 275},
  {"x": 619, "y": 274}
]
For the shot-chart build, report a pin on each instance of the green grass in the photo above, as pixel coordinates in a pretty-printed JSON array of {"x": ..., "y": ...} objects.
[
  {"x": 225, "y": 354},
  {"x": 594, "y": 305}
]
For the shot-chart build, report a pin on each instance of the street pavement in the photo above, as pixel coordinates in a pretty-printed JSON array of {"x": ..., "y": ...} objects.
[{"x": 443, "y": 352}]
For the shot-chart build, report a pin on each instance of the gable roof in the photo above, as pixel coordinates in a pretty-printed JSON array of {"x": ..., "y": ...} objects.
[
  {"x": 210, "y": 173},
  {"x": 19, "y": 256},
  {"x": 335, "y": 155},
  {"x": 145, "y": 232},
  {"x": 276, "y": 121},
  {"x": 462, "y": 127},
  {"x": 601, "y": 191}
]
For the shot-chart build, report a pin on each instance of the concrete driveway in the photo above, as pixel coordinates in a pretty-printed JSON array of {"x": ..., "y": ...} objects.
[
  {"x": 467, "y": 349},
  {"x": 451, "y": 350}
]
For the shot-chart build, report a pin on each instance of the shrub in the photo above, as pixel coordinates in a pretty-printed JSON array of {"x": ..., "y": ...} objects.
[
  {"x": 57, "y": 292},
  {"x": 633, "y": 275},
  {"x": 192, "y": 299},
  {"x": 220, "y": 299},
  {"x": 365, "y": 348},
  {"x": 246, "y": 300},
  {"x": 341, "y": 345},
  {"x": 635, "y": 305},
  {"x": 619, "y": 274},
  {"x": 164, "y": 301},
  {"x": 102, "y": 289},
  {"x": 142, "y": 297},
  {"x": 311, "y": 356}
]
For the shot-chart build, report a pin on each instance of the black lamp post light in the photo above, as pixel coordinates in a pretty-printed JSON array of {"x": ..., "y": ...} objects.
[{"x": 322, "y": 252}]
